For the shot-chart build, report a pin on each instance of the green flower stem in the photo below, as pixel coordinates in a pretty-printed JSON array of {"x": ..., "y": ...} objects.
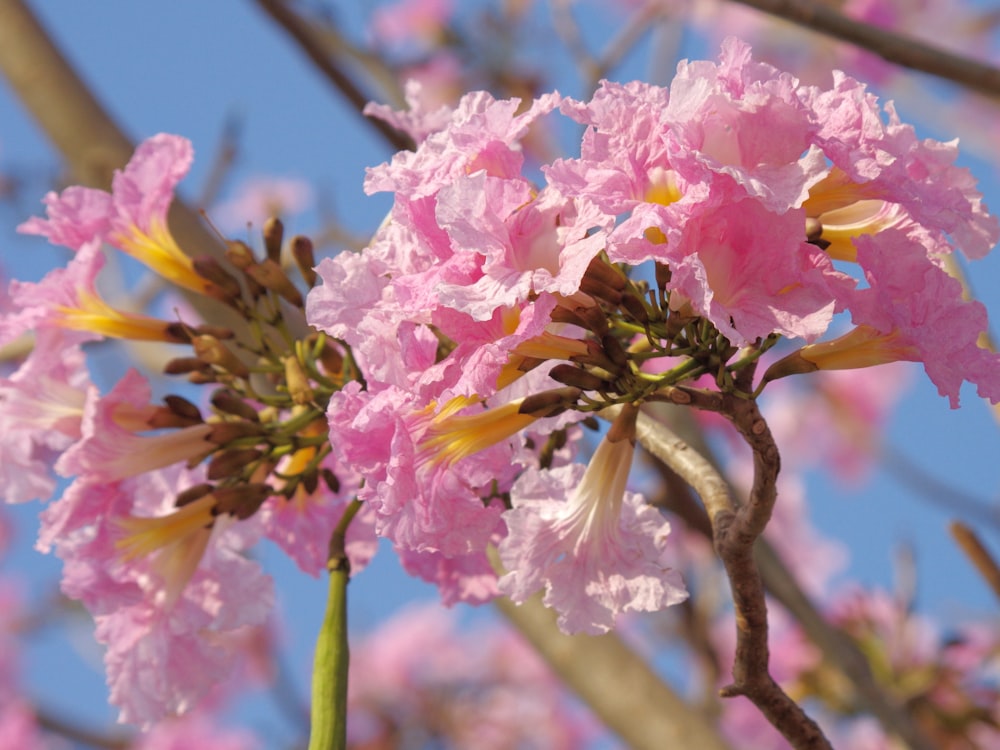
[{"x": 329, "y": 683}]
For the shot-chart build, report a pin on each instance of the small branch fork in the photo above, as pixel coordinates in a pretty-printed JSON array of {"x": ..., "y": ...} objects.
[{"x": 735, "y": 528}]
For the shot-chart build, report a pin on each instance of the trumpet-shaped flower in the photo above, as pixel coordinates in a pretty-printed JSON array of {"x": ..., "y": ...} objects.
[
  {"x": 133, "y": 217},
  {"x": 166, "y": 647},
  {"x": 596, "y": 549}
]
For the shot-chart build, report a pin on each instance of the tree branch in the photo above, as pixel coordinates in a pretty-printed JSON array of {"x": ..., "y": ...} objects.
[
  {"x": 312, "y": 46},
  {"x": 615, "y": 682},
  {"x": 734, "y": 531},
  {"x": 889, "y": 45}
]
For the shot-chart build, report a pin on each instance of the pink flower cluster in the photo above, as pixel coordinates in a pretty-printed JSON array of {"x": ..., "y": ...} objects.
[
  {"x": 170, "y": 588},
  {"x": 771, "y": 206}
]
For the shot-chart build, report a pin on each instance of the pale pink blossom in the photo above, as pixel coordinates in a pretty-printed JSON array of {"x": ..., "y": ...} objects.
[
  {"x": 192, "y": 732},
  {"x": 168, "y": 641},
  {"x": 43, "y": 404},
  {"x": 133, "y": 217},
  {"x": 596, "y": 549},
  {"x": 259, "y": 198}
]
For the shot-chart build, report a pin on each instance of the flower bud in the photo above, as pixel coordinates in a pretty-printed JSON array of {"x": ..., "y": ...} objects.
[
  {"x": 302, "y": 253},
  {"x": 577, "y": 377},
  {"x": 241, "y": 501},
  {"x": 209, "y": 349},
  {"x": 274, "y": 235},
  {"x": 230, "y": 463}
]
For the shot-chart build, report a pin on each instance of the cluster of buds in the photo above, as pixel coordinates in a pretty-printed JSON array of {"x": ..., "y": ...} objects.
[{"x": 267, "y": 427}]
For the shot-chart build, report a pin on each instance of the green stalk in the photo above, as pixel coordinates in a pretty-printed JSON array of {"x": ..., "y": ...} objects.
[{"x": 329, "y": 683}]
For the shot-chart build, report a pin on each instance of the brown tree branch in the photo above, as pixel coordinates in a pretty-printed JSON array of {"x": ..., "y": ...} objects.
[
  {"x": 839, "y": 650},
  {"x": 89, "y": 140},
  {"x": 615, "y": 682},
  {"x": 735, "y": 529},
  {"x": 889, "y": 45},
  {"x": 312, "y": 45},
  {"x": 978, "y": 555}
]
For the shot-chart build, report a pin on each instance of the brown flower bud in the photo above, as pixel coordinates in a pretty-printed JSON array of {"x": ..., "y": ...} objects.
[
  {"x": 302, "y": 252},
  {"x": 227, "y": 403},
  {"x": 241, "y": 501},
  {"x": 224, "y": 433},
  {"x": 549, "y": 403},
  {"x": 230, "y": 463},
  {"x": 226, "y": 287},
  {"x": 274, "y": 235},
  {"x": 209, "y": 349},
  {"x": 270, "y": 276},
  {"x": 192, "y": 493},
  {"x": 577, "y": 377}
]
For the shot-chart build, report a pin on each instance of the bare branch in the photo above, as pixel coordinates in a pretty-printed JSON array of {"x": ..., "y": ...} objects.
[
  {"x": 312, "y": 45},
  {"x": 978, "y": 555},
  {"x": 734, "y": 530},
  {"x": 889, "y": 45},
  {"x": 615, "y": 682}
]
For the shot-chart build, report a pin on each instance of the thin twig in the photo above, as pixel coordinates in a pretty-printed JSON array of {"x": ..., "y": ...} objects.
[
  {"x": 889, "y": 45},
  {"x": 978, "y": 555},
  {"x": 311, "y": 44}
]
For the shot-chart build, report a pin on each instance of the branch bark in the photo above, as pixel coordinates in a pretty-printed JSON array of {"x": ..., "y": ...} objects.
[
  {"x": 735, "y": 529},
  {"x": 615, "y": 682},
  {"x": 889, "y": 45}
]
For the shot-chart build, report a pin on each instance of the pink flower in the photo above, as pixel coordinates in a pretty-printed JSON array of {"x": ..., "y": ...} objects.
[
  {"x": 112, "y": 447},
  {"x": 259, "y": 198},
  {"x": 913, "y": 310},
  {"x": 68, "y": 298},
  {"x": 43, "y": 405},
  {"x": 172, "y": 616},
  {"x": 133, "y": 217},
  {"x": 192, "y": 732},
  {"x": 595, "y": 548}
]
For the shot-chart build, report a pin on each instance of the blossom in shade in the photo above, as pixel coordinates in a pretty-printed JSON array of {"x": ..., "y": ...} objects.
[
  {"x": 596, "y": 549},
  {"x": 42, "y": 406}
]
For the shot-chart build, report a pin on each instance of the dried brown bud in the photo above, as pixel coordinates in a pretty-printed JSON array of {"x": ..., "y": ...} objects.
[
  {"x": 616, "y": 353},
  {"x": 243, "y": 500},
  {"x": 224, "y": 433},
  {"x": 606, "y": 274},
  {"x": 192, "y": 493},
  {"x": 227, "y": 403},
  {"x": 182, "y": 365},
  {"x": 226, "y": 286},
  {"x": 305, "y": 259},
  {"x": 596, "y": 288},
  {"x": 274, "y": 235},
  {"x": 230, "y": 463},
  {"x": 577, "y": 377},
  {"x": 662, "y": 272},
  {"x": 270, "y": 276},
  {"x": 178, "y": 333},
  {"x": 183, "y": 408},
  {"x": 636, "y": 309},
  {"x": 550, "y": 403}
]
